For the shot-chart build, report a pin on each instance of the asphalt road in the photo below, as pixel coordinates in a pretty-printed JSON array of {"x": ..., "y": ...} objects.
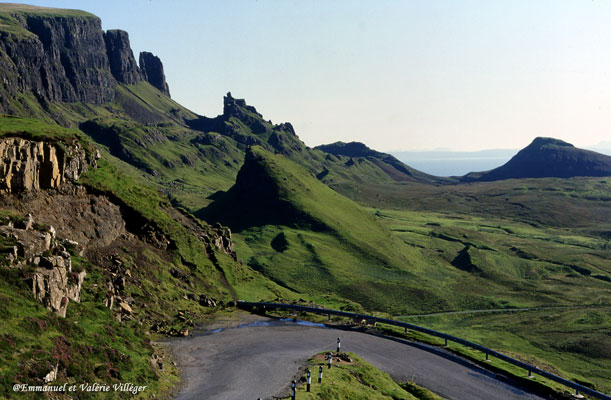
[{"x": 256, "y": 357}]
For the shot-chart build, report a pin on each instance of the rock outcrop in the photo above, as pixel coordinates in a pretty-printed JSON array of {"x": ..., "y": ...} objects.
[
  {"x": 152, "y": 71},
  {"x": 221, "y": 238},
  {"x": 30, "y": 165},
  {"x": 121, "y": 58},
  {"x": 54, "y": 285},
  {"x": 53, "y": 282}
]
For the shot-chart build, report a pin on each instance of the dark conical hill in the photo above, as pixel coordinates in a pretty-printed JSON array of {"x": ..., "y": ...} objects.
[
  {"x": 548, "y": 157},
  {"x": 272, "y": 190}
]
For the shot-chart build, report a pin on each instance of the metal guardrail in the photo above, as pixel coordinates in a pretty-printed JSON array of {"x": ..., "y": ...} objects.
[{"x": 489, "y": 352}]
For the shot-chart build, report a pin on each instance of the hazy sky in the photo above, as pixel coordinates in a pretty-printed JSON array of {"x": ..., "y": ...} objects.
[{"x": 464, "y": 75}]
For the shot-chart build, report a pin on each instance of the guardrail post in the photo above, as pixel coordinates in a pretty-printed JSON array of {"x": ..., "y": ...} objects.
[
  {"x": 329, "y": 317},
  {"x": 446, "y": 342},
  {"x": 530, "y": 375},
  {"x": 406, "y": 329},
  {"x": 487, "y": 359},
  {"x": 320, "y": 374}
]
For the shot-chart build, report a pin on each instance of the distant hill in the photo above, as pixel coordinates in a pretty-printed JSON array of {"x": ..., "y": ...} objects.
[{"x": 547, "y": 158}]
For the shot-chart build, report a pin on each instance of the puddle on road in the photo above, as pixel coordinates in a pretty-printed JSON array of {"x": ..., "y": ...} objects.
[
  {"x": 202, "y": 330},
  {"x": 277, "y": 322},
  {"x": 282, "y": 322}
]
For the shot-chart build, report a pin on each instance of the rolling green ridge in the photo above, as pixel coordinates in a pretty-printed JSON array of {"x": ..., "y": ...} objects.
[{"x": 452, "y": 260}]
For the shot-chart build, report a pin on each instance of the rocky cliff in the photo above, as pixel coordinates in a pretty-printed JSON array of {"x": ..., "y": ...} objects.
[
  {"x": 57, "y": 58},
  {"x": 30, "y": 165},
  {"x": 152, "y": 71},
  {"x": 63, "y": 55},
  {"x": 121, "y": 58}
]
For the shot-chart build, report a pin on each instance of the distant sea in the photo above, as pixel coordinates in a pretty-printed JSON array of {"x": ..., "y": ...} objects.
[
  {"x": 454, "y": 163},
  {"x": 458, "y": 163}
]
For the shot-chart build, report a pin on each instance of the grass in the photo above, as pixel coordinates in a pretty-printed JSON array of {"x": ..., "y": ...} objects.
[
  {"x": 572, "y": 343},
  {"x": 357, "y": 380},
  {"x": 89, "y": 344},
  {"x": 33, "y": 129},
  {"x": 398, "y": 248},
  {"x": 149, "y": 207},
  {"x": 516, "y": 264}
]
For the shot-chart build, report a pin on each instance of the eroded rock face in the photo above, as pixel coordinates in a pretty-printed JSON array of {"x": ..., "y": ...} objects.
[
  {"x": 222, "y": 240},
  {"x": 31, "y": 165},
  {"x": 92, "y": 221},
  {"x": 152, "y": 71},
  {"x": 54, "y": 285},
  {"x": 121, "y": 58},
  {"x": 64, "y": 60},
  {"x": 53, "y": 282}
]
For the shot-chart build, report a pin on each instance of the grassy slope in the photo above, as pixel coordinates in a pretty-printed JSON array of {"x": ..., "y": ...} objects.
[
  {"x": 517, "y": 265},
  {"x": 524, "y": 266},
  {"x": 90, "y": 345},
  {"x": 571, "y": 343},
  {"x": 348, "y": 254}
]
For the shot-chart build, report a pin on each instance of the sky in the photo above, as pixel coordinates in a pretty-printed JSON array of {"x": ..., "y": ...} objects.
[{"x": 394, "y": 74}]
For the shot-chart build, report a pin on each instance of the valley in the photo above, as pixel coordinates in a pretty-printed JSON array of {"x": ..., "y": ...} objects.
[{"x": 126, "y": 218}]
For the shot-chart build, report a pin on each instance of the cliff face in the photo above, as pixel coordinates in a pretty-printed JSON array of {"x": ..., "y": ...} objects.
[
  {"x": 63, "y": 59},
  {"x": 66, "y": 58},
  {"x": 122, "y": 63},
  {"x": 152, "y": 71},
  {"x": 30, "y": 165}
]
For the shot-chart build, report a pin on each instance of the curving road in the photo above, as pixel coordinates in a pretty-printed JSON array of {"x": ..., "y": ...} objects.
[{"x": 256, "y": 357}]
